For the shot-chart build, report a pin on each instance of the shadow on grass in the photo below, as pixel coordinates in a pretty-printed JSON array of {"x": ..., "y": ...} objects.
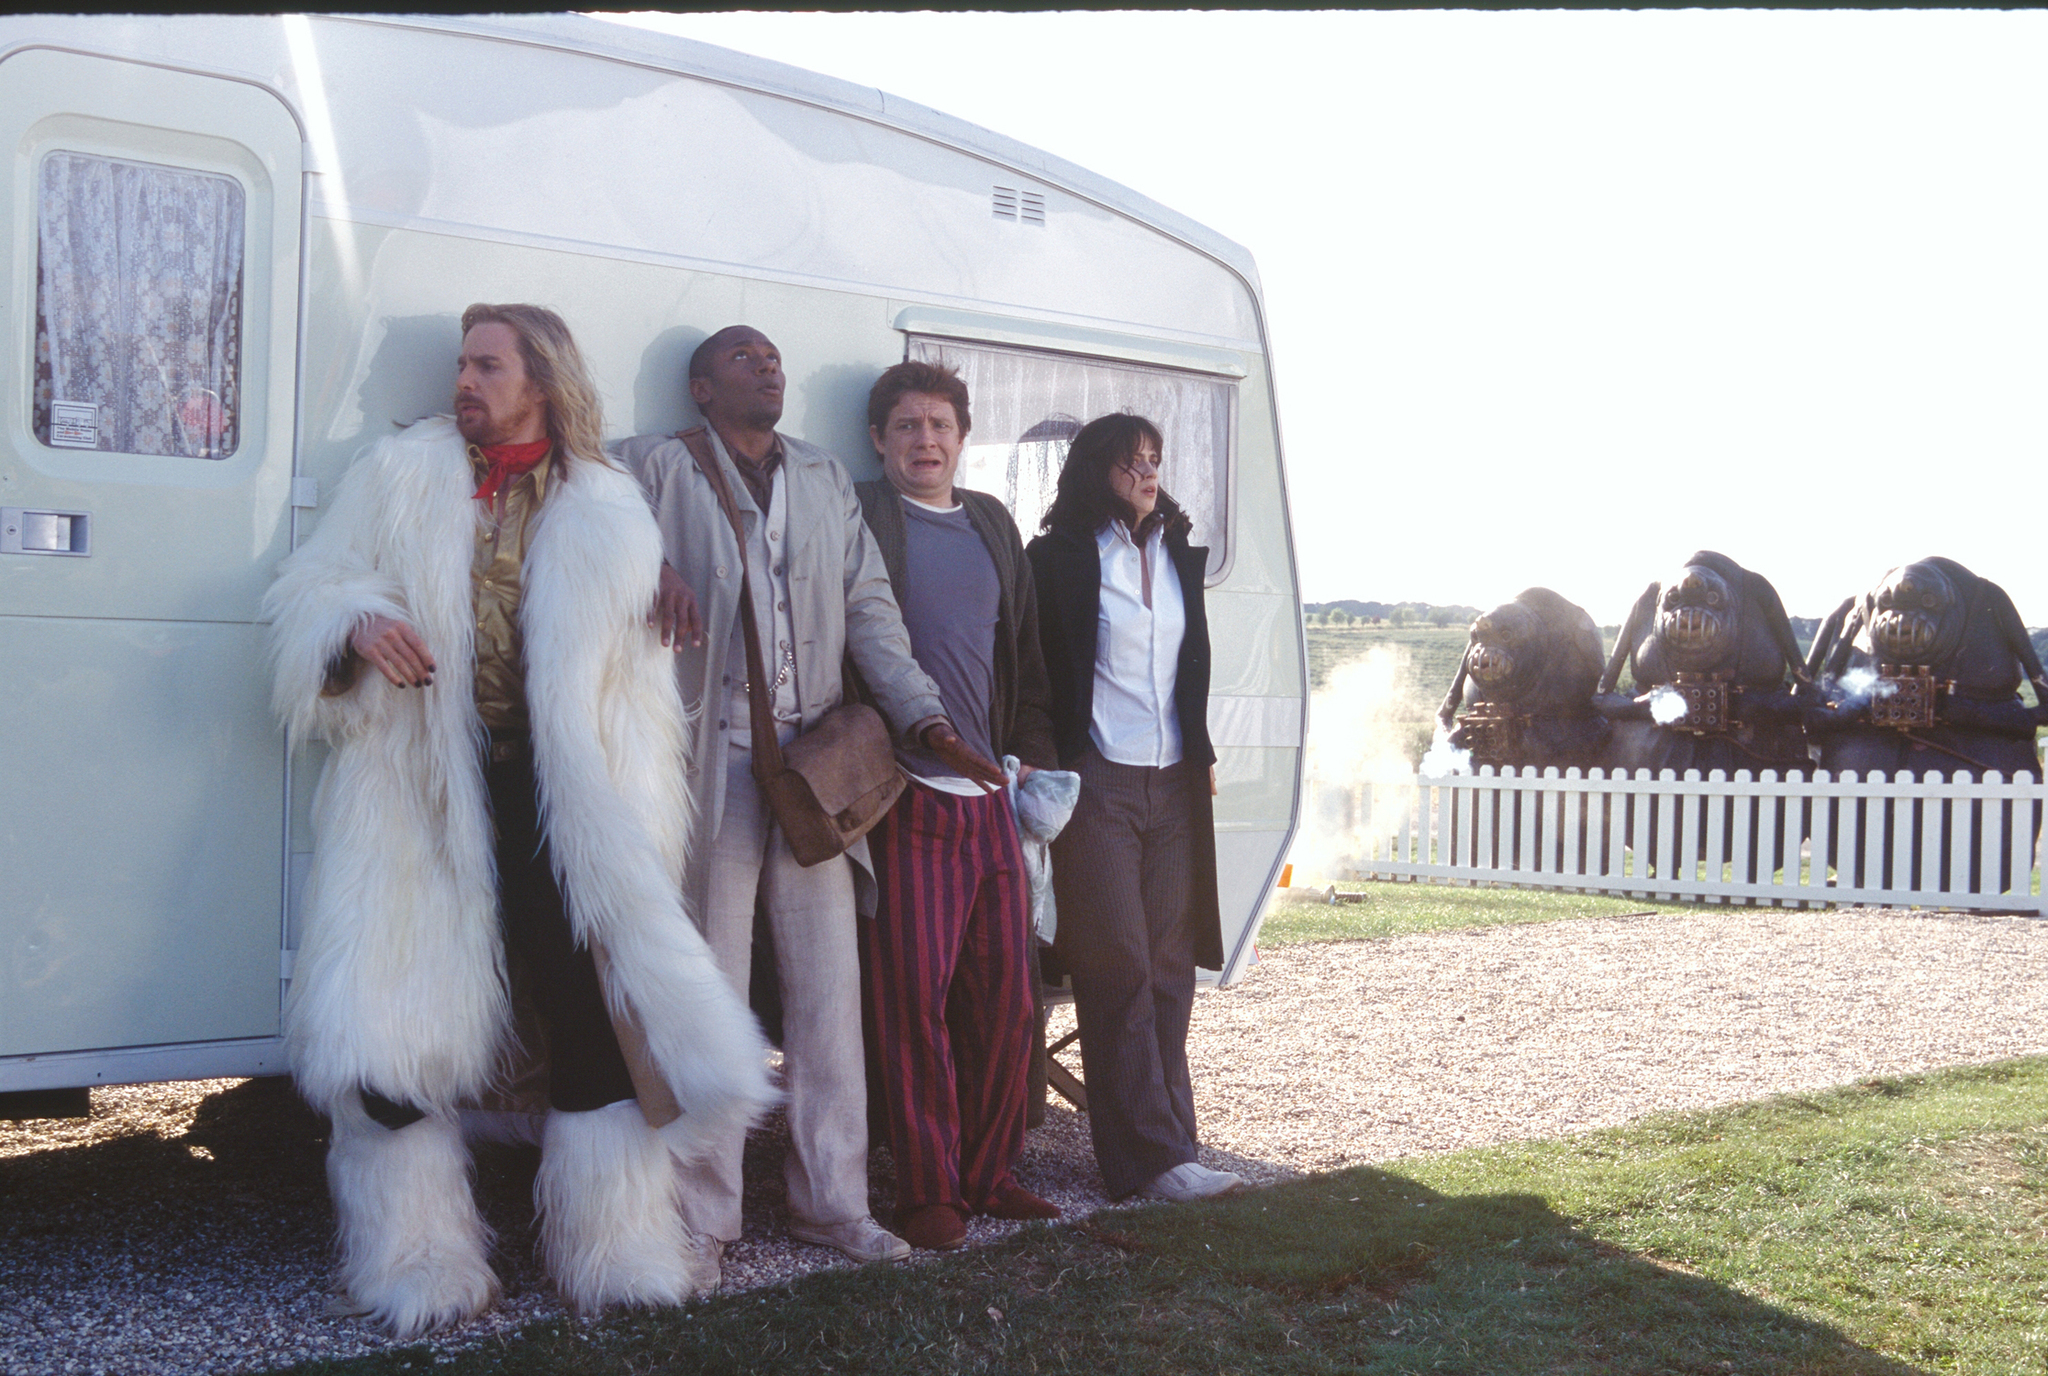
[
  {"x": 1361, "y": 1271},
  {"x": 1357, "y": 1272}
]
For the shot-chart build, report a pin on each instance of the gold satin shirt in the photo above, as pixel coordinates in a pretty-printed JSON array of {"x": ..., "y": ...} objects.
[{"x": 494, "y": 580}]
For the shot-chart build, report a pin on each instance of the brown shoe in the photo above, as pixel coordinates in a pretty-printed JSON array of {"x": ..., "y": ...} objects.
[
  {"x": 1012, "y": 1200},
  {"x": 934, "y": 1227}
]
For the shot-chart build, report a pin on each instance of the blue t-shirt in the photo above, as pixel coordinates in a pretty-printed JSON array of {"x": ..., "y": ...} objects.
[{"x": 950, "y": 604}]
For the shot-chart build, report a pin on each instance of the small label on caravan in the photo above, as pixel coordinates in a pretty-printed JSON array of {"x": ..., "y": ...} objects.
[{"x": 74, "y": 425}]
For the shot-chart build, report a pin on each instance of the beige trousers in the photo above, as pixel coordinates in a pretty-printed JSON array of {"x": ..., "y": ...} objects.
[{"x": 817, "y": 948}]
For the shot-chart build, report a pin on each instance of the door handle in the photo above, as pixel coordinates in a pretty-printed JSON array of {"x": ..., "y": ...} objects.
[{"x": 26, "y": 531}]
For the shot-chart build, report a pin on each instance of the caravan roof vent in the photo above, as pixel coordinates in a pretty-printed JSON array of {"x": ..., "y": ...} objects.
[{"x": 1011, "y": 204}]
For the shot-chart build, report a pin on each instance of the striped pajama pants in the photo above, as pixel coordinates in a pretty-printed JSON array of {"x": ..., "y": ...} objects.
[{"x": 949, "y": 994}]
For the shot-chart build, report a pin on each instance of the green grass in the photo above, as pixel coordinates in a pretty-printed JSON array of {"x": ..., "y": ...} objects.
[
  {"x": 1433, "y": 653},
  {"x": 1383, "y": 909},
  {"x": 1908, "y": 1213},
  {"x": 1890, "y": 1227},
  {"x": 1402, "y": 909}
]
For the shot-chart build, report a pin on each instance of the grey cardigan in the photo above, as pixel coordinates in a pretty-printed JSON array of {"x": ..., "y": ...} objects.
[{"x": 841, "y": 605}]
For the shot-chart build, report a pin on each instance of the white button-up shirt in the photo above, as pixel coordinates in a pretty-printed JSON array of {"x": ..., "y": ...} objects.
[{"x": 1137, "y": 651}]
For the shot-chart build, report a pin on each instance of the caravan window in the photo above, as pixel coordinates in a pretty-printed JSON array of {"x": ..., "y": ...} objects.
[
  {"x": 138, "y": 308},
  {"x": 1029, "y": 404}
]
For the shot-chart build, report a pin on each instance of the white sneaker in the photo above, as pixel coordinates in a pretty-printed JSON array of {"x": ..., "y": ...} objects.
[
  {"x": 860, "y": 1239},
  {"x": 1190, "y": 1180}
]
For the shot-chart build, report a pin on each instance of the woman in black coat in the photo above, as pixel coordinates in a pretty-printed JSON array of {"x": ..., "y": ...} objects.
[{"x": 1134, "y": 873}]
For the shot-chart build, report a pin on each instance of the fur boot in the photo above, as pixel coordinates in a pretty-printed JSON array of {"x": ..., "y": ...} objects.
[
  {"x": 414, "y": 1250},
  {"x": 611, "y": 1219}
]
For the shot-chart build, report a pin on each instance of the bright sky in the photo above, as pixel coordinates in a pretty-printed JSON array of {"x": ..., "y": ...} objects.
[{"x": 1557, "y": 298}]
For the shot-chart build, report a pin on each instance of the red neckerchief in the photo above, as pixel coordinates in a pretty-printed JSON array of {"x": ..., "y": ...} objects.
[{"x": 507, "y": 462}]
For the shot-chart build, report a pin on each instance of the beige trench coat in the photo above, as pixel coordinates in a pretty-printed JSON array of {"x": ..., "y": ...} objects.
[{"x": 839, "y": 599}]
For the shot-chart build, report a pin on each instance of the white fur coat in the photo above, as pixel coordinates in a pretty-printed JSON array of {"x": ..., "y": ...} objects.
[{"x": 399, "y": 983}]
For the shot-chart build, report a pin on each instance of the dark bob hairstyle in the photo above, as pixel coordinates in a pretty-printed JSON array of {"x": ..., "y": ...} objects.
[{"x": 1085, "y": 499}]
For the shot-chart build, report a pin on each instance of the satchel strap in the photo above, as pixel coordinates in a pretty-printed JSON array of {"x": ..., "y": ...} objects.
[{"x": 761, "y": 711}]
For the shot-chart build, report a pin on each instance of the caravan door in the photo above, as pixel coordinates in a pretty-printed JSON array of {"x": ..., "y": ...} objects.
[{"x": 152, "y": 266}]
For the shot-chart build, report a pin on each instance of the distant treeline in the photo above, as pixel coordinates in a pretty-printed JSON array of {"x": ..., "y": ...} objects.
[{"x": 1348, "y": 612}]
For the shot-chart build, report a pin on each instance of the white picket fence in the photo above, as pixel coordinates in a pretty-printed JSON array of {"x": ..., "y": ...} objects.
[{"x": 1925, "y": 842}]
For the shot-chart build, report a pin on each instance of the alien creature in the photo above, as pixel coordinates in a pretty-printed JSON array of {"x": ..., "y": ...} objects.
[
  {"x": 1710, "y": 648},
  {"x": 1923, "y": 673},
  {"x": 1531, "y": 665}
]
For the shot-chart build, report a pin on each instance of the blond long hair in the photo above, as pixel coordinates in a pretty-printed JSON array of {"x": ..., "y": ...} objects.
[{"x": 575, "y": 414}]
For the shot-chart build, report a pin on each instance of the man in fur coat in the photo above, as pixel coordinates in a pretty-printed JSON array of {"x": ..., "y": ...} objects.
[{"x": 468, "y": 631}]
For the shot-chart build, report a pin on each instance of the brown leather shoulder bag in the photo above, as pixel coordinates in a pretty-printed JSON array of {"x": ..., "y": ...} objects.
[{"x": 830, "y": 785}]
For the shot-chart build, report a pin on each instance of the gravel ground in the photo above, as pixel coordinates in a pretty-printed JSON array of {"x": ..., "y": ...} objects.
[{"x": 184, "y": 1228}]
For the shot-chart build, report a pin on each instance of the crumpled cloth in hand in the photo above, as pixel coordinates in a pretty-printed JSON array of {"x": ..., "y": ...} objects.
[{"x": 1042, "y": 804}]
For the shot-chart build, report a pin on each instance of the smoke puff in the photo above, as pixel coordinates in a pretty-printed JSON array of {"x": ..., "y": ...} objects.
[
  {"x": 1667, "y": 705},
  {"x": 1364, "y": 725},
  {"x": 1444, "y": 758},
  {"x": 1860, "y": 685}
]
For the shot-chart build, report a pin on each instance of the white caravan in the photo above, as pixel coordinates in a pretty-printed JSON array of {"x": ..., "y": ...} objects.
[{"x": 236, "y": 252}]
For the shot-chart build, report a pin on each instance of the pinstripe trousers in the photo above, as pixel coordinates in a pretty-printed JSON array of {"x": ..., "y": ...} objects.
[
  {"x": 949, "y": 994},
  {"x": 1120, "y": 878}
]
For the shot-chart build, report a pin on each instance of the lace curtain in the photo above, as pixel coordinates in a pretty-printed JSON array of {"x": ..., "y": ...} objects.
[
  {"x": 1028, "y": 406},
  {"x": 138, "y": 308}
]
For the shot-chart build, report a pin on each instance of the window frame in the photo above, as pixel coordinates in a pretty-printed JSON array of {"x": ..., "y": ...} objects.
[
  {"x": 113, "y": 107},
  {"x": 1135, "y": 353},
  {"x": 244, "y": 194}
]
